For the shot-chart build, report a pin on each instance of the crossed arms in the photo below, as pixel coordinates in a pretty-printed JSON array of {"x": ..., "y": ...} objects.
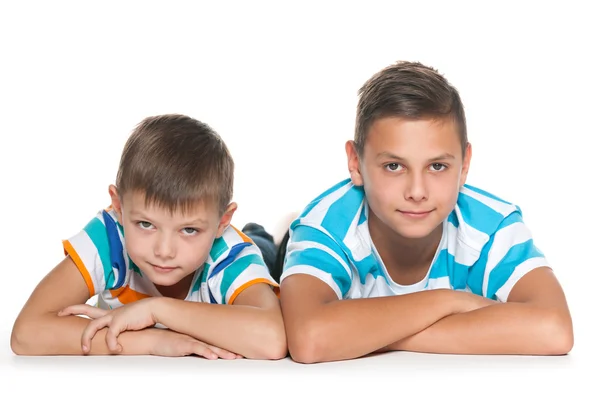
[
  {"x": 535, "y": 320},
  {"x": 49, "y": 323}
]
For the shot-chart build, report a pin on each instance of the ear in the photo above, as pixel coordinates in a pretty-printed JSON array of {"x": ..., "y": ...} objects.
[
  {"x": 116, "y": 202},
  {"x": 226, "y": 219},
  {"x": 353, "y": 163},
  {"x": 465, "y": 164}
]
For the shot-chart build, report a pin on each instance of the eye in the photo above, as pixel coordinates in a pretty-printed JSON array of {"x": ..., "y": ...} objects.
[
  {"x": 393, "y": 167},
  {"x": 189, "y": 231},
  {"x": 144, "y": 225},
  {"x": 437, "y": 167}
]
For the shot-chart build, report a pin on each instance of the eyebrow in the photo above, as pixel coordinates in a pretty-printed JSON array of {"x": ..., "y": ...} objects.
[
  {"x": 198, "y": 221},
  {"x": 140, "y": 215},
  {"x": 445, "y": 156}
]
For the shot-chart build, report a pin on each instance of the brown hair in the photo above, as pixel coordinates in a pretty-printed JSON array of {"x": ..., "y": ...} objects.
[
  {"x": 407, "y": 90},
  {"x": 176, "y": 161}
]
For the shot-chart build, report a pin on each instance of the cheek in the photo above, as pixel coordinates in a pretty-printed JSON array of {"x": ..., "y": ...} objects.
[
  {"x": 447, "y": 191},
  {"x": 134, "y": 243},
  {"x": 195, "y": 252},
  {"x": 376, "y": 195},
  {"x": 380, "y": 188}
]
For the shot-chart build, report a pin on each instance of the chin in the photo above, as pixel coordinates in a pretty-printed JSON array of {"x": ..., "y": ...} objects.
[
  {"x": 414, "y": 232},
  {"x": 164, "y": 280},
  {"x": 413, "y": 235}
]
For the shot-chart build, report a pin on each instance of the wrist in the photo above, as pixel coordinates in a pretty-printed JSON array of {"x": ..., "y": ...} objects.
[
  {"x": 157, "y": 306},
  {"x": 458, "y": 302},
  {"x": 470, "y": 302},
  {"x": 140, "y": 342}
]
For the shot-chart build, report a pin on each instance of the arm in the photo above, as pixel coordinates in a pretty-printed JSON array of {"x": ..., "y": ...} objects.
[
  {"x": 322, "y": 328},
  {"x": 38, "y": 330},
  {"x": 535, "y": 320},
  {"x": 252, "y": 326}
]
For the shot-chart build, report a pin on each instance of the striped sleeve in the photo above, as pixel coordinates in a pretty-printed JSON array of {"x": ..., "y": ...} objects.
[
  {"x": 244, "y": 270},
  {"x": 90, "y": 252},
  {"x": 507, "y": 257},
  {"x": 312, "y": 252}
]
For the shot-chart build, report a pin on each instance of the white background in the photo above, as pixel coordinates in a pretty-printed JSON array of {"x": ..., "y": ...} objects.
[{"x": 278, "y": 81}]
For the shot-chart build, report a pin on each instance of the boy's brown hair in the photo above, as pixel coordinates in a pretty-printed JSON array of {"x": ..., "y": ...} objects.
[
  {"x": 176, "y": 162},
  {"x": 407, "y": 90}
]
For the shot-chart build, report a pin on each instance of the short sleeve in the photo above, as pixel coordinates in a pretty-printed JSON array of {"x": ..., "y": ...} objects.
[
  {"x": 89, "y": 250},
  {"x": 311, "y": 251},
  {"x": 241, "y": 268},
  {"x": 507, "y": 257}
]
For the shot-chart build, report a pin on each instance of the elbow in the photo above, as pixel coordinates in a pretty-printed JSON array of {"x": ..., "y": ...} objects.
[
  {"x": 273, "y": 343},
  {"x": 559, "y": 338},
  {"x": 16, "y": 344},
  {"x": 306, "y": 344},
  {"x": 30, "y": 337},
  {"x": 563, "y": 341},
  {"x": 564, "y": 346},
  {"x": 19, "y": 341},
  {"x": 276, "y": 348}
]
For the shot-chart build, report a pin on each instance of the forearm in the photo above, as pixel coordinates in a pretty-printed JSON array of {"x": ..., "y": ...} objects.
[
  {"x": 252, "y": 332},
  {"x": 53, "y": 335},
  {"x": 503, "y": 328},
  {"x": 352, "y": 328}
]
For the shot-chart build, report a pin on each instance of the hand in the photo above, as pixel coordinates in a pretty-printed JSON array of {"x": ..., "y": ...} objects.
[
  {"x": 134, "y": 316},
  {"x": 167, "y": 343},
  {"x": 464, "y": 302}
]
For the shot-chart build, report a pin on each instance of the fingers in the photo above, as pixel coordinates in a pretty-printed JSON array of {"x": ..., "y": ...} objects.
[
  {"x": 212, "y": 352},
  {"x": 90, "y": 331},
  {"x": 114, "y": 330},
  {"x": 222, "y": 353},
  {"x": 203, "y": 350},
  {"x": 83, "y": 309}
]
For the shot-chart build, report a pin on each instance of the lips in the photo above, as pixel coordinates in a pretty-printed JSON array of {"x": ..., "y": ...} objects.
[
  {"x": 416, "y": 214},
  {"x": 163, "y": 268}
]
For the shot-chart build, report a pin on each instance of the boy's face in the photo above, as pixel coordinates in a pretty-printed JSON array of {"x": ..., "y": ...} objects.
[
  {"x": 168, "y": 247},
  {"x": 412, "y": 171}
]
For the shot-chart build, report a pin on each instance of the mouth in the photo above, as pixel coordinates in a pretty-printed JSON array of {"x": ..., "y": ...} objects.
[
  {"x": 416, "y": 214},
  {"x": 163, "y": 269}
]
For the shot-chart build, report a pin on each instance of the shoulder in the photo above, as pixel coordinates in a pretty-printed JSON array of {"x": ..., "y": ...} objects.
[
  {"x": 232, "y": 245},
  {"x": 336, "y": 222},
  {"x": 100, "y": 231},
  {"x": 335, "y": 210},
  {"x": 234, "y": 263},
  {"x": 479, "y": 214},
  {"x": 98, "y": 251}
]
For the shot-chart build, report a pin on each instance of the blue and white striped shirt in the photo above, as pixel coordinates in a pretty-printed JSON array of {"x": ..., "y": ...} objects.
[
  {"x": 233, "y": 264},
  {"x": 485, "y": 247}
]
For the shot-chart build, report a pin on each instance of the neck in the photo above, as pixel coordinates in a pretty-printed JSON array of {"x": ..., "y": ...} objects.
[
  {"x": 401, "y": 253},
  {"x": 178, "y": 290}
]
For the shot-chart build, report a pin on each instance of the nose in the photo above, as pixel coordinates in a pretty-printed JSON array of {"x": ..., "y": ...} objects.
[
  {"x": 416, "y": 188},
  {"x": 164, "y": 247}
]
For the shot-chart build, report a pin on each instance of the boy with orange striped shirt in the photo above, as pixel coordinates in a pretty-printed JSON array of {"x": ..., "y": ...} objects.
[{"x": 163, "y": 255}]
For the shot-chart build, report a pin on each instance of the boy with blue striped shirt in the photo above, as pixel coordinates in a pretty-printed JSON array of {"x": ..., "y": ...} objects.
[
  {"x": 404, "y": 255},
  {"x": 163, "y": 255}
]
